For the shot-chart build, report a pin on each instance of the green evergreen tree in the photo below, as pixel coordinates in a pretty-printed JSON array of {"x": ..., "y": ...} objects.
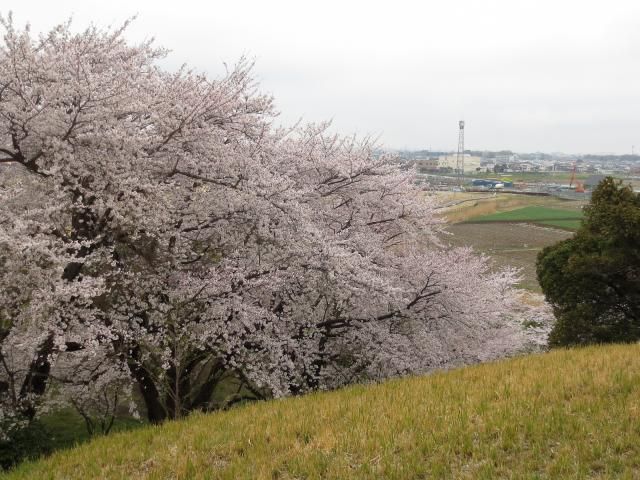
[{"x": 592, "y": 280}]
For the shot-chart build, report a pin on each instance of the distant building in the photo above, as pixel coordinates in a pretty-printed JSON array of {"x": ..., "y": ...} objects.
[
  {"x": 471, "y": 163},
  {"x": 506, "y": 157},
  {"x": 562, "y": 166},
  {"x": 524, "y": 167},
  {"x": 428, "y": 164},
  {"x": 489, "y": 167}
]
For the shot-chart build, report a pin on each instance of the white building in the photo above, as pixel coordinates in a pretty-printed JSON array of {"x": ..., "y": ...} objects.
[{"x": 471, "y": 164}]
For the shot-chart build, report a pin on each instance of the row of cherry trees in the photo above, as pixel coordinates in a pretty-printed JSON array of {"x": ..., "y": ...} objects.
[{"x": 159, "y": 235}]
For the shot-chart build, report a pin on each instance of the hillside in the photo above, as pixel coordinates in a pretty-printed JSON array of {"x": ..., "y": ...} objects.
[{"x": 569, "y": 413}]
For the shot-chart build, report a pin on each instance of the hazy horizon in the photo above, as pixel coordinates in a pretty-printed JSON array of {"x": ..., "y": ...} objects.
[{"x": 525, "y": 76}]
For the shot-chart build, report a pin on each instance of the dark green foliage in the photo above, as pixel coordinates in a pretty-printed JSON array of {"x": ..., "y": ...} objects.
[
  {"x": 25, "y": 443},
  {"x": 592, "y": 280},
  {"x": 57, "y": 430}
]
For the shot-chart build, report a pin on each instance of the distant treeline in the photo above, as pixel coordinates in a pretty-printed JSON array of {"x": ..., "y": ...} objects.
[{"x": 611, "y": 158}]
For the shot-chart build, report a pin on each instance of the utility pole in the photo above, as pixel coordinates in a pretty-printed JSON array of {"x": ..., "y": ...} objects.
[{"x": 460, "y": 156}]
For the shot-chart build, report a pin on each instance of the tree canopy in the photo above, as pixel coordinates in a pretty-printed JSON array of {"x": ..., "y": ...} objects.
[
  {"x": 592, "y": 280},
  {"x": 161, "y": 236}
]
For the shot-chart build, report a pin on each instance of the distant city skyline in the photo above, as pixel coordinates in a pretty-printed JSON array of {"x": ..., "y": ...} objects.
[
  {"x": 527, "y": 76},
  {"x": 470, "y": 149}
]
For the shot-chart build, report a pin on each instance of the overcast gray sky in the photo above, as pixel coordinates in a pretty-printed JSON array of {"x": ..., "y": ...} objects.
[{"x": 543, "y": 75}]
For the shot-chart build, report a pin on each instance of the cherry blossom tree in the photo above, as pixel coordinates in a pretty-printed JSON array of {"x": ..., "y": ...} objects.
[{"x": 159, "y": 232}]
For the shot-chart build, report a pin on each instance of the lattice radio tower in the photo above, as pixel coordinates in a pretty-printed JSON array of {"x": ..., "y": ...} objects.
[{"x": 460, "y": 156}]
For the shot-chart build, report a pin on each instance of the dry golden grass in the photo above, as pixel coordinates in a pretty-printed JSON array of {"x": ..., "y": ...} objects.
[{"x": 566, "y": 414}]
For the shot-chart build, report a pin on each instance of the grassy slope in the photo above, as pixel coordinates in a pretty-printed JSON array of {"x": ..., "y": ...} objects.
[{"x": 564, "y": 414}]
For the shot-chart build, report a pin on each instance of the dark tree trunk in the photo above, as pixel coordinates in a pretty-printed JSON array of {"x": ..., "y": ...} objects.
[
  {"x": 35, "y": 382},
  {"x": 156, "y": 413},
  {"x": 201, "y": 398}
]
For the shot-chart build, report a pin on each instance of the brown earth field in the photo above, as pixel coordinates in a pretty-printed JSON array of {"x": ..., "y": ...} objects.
[{"x": 514, "y": 244}]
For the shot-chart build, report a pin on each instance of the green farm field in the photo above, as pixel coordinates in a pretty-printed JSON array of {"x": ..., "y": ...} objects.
[
  {"x": 542, "y": 215},
  {"x": 564, "y": 414}
]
